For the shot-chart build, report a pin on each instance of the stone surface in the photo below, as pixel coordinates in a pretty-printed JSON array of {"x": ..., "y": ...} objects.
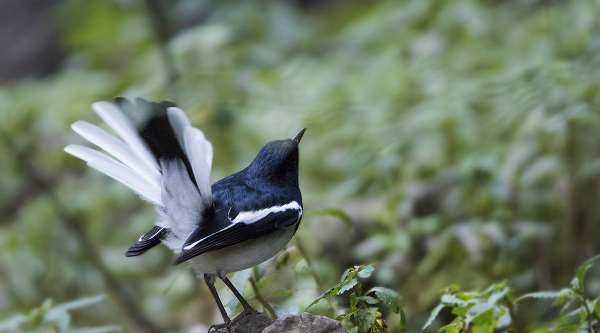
[
  {"x": 246, "y": 323},
  {"x": 305, "y": 323}
]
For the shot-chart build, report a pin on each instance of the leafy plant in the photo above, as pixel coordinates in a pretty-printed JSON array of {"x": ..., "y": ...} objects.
[
  {"x": 54, "y": 318},
  {"x": 364, "y": 313},
  {"x": 491, "y": 310},
  {"x": 578, "y": 311},
  {"x": 475, "y": 311},
  {"x": 460, "y": 138}
]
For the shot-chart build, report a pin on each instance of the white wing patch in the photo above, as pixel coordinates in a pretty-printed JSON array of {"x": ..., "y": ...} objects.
[
  {"x": 249, "y": 217},
  {"x": 255, "y": 215}
]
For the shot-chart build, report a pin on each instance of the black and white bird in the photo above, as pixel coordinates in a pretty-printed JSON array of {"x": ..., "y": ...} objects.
[{"x": 231, "y": 225}]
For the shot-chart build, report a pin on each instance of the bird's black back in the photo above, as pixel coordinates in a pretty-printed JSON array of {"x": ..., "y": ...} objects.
[{"x": 238, "y": 193}]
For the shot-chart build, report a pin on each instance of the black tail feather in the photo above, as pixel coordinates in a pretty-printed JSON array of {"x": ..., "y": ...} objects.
[
  {"x": 157, "y": 131},
  {"x": 147, "y": 241}
]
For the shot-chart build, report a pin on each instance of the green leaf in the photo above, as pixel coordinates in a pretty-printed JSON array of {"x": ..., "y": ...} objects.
[
  {"x": 347, "y": 282},
  {"x": 48, "y": 316},
  {"x": 451, "y": 299},
  {"x": 328, "y": 293},
  {"x": 369, "y": 300},
  {"x": 454, "y": 327},
  {"x": 365, "y": 318},
  {"x": 317, "y": 300},
  {"x": 484, "y": 322},
  {"x": 567, "y": 305},
  {"x": 434, "y": 314},
  {"x": 567, "y": 295},
  {"x": 365, "y": 271},
  {"x": 540, "y": 295},
  {"x": 77, "y": 304},
  {"x": 390, "y": 298},
  {"x": 348, "y": 274},
  {"x": 578, "y": 282},
  {"x": 348, "y": 285}
]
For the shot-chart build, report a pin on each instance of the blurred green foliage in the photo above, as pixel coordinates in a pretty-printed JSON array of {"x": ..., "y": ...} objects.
[
  {"x": 53, "y": 318},
  {"x": 448, "y": 142},
  {"x": 495, "y": 309}
]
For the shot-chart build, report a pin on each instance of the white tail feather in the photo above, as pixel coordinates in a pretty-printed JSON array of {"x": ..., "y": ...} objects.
[
  {"x": 117, "y": 171},
  {"x": 114, "y": 118},
  {"x": 117, "y": 148},
  {"x": 135, "y": 166},
  {"x": 179, "y": 121},
  {"x": 199, "y": 152},
  {"x": 182, "y": 201}
]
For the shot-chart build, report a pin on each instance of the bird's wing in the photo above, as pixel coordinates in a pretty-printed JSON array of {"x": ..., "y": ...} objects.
[{"x": 245, "y": 226}]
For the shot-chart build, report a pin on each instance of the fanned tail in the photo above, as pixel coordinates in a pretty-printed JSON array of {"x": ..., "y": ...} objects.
[
  {"x": 131, "y": 164},
  {"x": 147, "y": 241},
  {"x": 166, "y": 161},
  {"x": 117, "y": 171}
]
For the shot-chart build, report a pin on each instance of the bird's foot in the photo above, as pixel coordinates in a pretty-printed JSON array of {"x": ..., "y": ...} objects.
[{"x": 218, "y": 328}]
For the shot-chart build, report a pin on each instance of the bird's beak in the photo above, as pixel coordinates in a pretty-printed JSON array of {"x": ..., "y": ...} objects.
[{"x": 298, "y": 136}]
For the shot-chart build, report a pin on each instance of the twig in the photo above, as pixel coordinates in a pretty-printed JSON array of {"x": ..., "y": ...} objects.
[
  {"x": 117, "y": 292},
  {"x": 313, "y": 273},
  {"x": 588, "y": 314},
  {"x": 258, "y": 295}
]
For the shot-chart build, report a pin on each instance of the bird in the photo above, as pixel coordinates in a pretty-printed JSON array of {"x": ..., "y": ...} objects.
[{"x": 230, "y": 225}]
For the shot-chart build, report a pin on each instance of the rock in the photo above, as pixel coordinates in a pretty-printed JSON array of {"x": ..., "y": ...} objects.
[
  {"x": 246, "y": 323},
  {"x": 305, "y": 323}
]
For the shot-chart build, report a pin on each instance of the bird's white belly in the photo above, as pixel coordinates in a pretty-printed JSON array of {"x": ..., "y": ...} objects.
[{"x": 244, "y": 255}]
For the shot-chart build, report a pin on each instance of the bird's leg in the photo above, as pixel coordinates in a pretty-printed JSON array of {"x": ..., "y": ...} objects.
[
  {"x": 247, "y": 308},
  {"x": 210, "y": 282}
]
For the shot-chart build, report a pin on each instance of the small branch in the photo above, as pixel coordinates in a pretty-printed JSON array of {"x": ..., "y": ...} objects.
[
  {"x": 313, "y": 273},
  {"x": 588, "y": 315},
  {"x": 258, "y": 295}
]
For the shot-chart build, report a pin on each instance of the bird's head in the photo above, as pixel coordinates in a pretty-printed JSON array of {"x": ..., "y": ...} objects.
[{"x": 277, "y": 161}]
